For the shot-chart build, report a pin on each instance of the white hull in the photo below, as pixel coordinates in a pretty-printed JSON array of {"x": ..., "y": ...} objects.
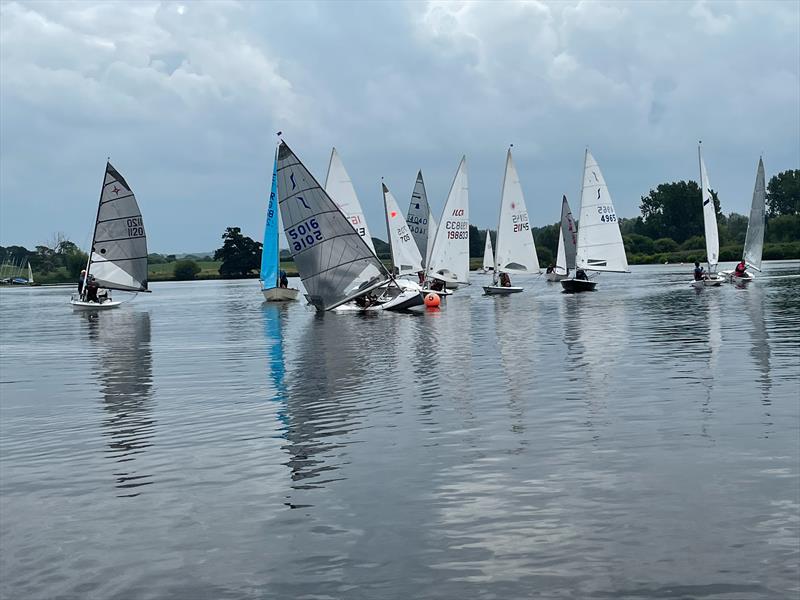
[
  {"x": 555, "y": 276},
  {"x": 403, "y": 301},
  {"x": 710, "y": 282},
  {"x": 731, "y": 277},
  {"x": 278, "y": 294},
  {"x": 499, "y": 290},
  {"x": 81, "y": 305}
]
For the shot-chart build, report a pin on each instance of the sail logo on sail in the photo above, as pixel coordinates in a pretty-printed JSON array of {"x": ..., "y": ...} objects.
[
  {"x": 303, "y": 200},
  {"x": 305, "y": 235},
  {"x": 291, "y": 178}
]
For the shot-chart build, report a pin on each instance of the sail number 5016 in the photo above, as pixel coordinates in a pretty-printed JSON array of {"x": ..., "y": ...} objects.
[{"x": 305, "y": 234}]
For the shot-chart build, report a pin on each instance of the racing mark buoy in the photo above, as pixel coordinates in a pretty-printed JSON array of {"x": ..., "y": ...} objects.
[{"x": 432, "y": 300}]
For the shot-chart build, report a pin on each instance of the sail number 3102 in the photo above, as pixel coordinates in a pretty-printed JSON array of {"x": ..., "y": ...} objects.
[{"x": 305, "y": 234}]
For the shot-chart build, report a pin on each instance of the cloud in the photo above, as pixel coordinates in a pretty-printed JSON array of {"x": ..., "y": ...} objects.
[{"x": 186, "y": 97}]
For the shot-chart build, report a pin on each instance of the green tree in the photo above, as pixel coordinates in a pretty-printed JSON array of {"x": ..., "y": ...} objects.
[
  {"x": 783, "y": 194},
  {"x": 736, "y": 229},
  {"x": 663, "y": 245},
  {"x": 185, "y": 269},
  {"x": 674, "y": 210},
  {"x": 785, "y": 228},
  {"x": 382, "y": 249},
  {"x": 476, "y": 241},
  {"x": 637, "y": 244},
  {"x": 239, "y": 254}
]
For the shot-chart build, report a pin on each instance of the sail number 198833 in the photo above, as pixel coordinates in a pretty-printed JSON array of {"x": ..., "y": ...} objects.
[{"x": 304, "y": 234}]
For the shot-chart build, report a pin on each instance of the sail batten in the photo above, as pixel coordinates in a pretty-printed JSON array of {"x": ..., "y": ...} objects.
[
  {"x": 334, "y": 261},
  {"x": 599, "y": 239},
  {"x": 754, "y": 239},
  {"x": 118, "y": 255}
]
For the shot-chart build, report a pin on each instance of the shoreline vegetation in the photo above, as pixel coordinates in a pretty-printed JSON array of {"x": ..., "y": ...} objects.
[{"x": 669, "y": 230}]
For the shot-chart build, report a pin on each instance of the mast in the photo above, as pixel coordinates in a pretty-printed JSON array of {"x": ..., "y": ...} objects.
[{"x": 94, "y": 231}]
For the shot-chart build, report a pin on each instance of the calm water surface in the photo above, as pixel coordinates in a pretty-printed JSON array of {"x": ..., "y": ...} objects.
[{"x": 638, "y": 442}]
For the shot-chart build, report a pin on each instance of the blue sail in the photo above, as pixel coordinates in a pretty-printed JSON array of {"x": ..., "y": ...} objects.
[{"x": 269, "y": 254}]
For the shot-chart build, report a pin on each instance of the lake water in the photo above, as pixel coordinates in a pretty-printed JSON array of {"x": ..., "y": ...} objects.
[{"x": 642, "y": 441}]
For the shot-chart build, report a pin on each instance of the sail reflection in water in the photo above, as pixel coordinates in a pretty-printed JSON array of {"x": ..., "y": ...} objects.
[
  {"x": 274, "y": 316},
  {"x": 324, "y": 404},
  {"x": 124, "y": 373}
]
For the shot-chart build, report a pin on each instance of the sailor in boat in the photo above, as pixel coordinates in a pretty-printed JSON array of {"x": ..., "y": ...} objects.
[
  {"x": 437, "y": 285},
  {"x": 505, "y": 280},
  {"x": 550, "y": 269},
  {"x": 91, "y": 290},
  {"x": 741, "y": 269},
  {"x": 421, "y": 275},
  {"x": 699, "y": 275},
  {"x": 283, "y": 280},
  {"x": 81, "y": 281},
  {"x": 365, "y": 301},
  {"x": 581, "y": 274}
]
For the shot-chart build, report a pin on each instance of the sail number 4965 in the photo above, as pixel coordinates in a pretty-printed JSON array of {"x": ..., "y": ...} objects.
[
  {"x": 305, "y": 234},
  {"x": 606, "y": 214}
]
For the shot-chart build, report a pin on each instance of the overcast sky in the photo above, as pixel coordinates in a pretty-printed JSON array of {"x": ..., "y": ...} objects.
[{"x": 185, "y": 97}]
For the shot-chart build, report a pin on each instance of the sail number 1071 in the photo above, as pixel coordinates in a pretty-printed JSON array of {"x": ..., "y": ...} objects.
[{"x": 305, "y": 234}]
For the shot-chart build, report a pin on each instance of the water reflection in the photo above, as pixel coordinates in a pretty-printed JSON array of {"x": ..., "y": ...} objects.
[
  {"x": 124, "y": 372},
  {"x": 324, "y": 402},
  {"x": 516, "y": 344},
  {"x": 274, "y": 316}
]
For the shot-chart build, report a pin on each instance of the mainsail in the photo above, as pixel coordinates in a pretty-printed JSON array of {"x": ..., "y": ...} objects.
[
  {"x": 709, "y": 217},
  {"x": 419, "y": 218},
  {"x": 405, "y": 254},
  {"x": 567, "y": 240},
  {"x": 515, "y": 251},
  {"x": 269, "y": 254},
  {"x": 599, "y": 246},
  {"x": 488, "y": 254},
  {"x": 118, "y": 258},
  {"x": 334, "y": 261},
  {"x": 340, "y": 188},
  {"x": 449, "y": 258},
  {"x": 754, "y": 240}
]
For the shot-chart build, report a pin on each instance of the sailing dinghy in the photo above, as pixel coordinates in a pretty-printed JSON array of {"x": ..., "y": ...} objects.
[
  {"x": 118, "y": 255},
  {"x": 516, "y": 251},
  {"x": 270, "y": 254},
  {"x": 336, "y": 265},
  {"x": 754, "y": 239},
  {"x": 449, "y": 256},
  {"x": 567, "y": 241},
  {"x": 488, "y": 254},
  {"x": 711, "y": 230},
  {"x": 420, "y": 219},
  {"x": 599, "y": 246}
]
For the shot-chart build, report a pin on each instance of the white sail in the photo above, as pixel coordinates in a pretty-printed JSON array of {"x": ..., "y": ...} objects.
[
  {"x": 118, "y": 257},
  {"x": 449, "y": 260},
  {"x": 30, "y": 273},
  {"x": 709, "y": 217},
  {"x": 599, "y": 246},
  {"x": 432, "y": 229},
  {"x": 754, "y": 240},
  {"x": 488, "y": 255},
  {"x": 340, "y": 188},
  {"x": 334, "y": 261},
  {"x": 405, "y": 254},
  {"x": 567, "y": 240},
  {"x": 419, "y": 216},
  {"x": 515, "y": 251}
]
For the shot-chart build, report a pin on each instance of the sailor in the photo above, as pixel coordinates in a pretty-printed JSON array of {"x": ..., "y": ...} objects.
[
  {"x": 421, "y": 275},
  {"x": 505, "y": 280},
  {"x": 437, "y": 285},
  {"x": 581, "y": 274},
  {"x": 698, "y": 272},
  {"x": 91, "y": 290},
  {"x": 284, "y": 280},
  {"x": 551, "y": 268},
  {"x": 741, "y": 269},
  {"x": 81, "y": 280}
]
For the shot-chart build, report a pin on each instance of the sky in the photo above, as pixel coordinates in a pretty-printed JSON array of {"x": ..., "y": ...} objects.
[{"x": 186, "y": 97}]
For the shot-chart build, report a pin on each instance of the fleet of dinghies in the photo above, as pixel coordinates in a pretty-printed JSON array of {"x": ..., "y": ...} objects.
[{"x": 332, "y": 249}]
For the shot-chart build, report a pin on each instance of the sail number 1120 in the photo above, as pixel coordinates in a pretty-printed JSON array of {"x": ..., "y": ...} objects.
[{"x": 305, "y": 234}]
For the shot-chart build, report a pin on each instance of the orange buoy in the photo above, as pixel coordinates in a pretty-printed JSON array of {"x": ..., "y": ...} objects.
[{"x": 432, "y": 300}]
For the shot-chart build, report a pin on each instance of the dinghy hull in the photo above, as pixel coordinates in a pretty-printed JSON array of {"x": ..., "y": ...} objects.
[
  {"x": 498, "y": 290},
  {"x": 278, "y": 294},
  {"x": 555, "y": 276},
  {"x": 81, "y": 305},
  {"x": 574, "y": 286}
]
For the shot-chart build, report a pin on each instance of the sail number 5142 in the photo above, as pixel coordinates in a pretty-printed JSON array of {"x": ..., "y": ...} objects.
[{"x": 305, "y": 234}]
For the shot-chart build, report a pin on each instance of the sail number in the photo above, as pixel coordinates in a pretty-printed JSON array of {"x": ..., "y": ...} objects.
[
  {"x": 520, "y": 221},
  {"x": 607, "y": 214},
  {"x": 135, "y": 227},
  {"x": 402, "y": 233},
  {"x": 305, "y": 234},
  {"x": 457, "y": 230}
]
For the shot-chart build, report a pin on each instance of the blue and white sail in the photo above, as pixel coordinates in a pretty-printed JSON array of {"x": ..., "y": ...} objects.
[{"x": 270, "y": 256}]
